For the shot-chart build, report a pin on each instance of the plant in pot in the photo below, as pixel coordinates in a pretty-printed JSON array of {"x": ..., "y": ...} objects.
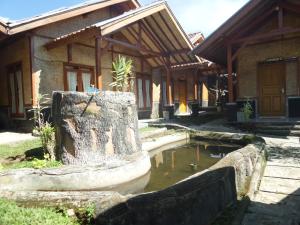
[
  {"x": 247, "y": 111},
  {"x": 123, "y": 74}
]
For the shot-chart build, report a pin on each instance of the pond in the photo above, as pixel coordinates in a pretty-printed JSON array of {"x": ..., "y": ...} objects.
[{"x": 173, "y": 165}]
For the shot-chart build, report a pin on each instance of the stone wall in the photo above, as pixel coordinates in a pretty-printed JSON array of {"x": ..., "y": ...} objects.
[
  {"x": 90, "y": 130},
  {"x": 198, "y": 200}
]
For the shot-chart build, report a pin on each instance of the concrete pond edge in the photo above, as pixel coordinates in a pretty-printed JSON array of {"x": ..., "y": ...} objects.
[{"x": 210, "y": 192}]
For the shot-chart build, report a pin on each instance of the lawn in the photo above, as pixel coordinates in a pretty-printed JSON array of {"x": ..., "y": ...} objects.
[
  {"x": 12, "y": 214},
  {"x": 32, "y": 147}
]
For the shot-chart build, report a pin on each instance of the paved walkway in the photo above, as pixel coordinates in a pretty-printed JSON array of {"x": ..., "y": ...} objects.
[
  {"x": 278, "y": 199},
  {"x": 13, "y": 138}
]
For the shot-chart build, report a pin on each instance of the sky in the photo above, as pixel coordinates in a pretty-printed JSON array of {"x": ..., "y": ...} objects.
[{"x": 194, "y": 15}]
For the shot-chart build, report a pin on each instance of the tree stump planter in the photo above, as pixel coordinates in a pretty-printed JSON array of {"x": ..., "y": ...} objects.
[{"x": 96, "y": 139}]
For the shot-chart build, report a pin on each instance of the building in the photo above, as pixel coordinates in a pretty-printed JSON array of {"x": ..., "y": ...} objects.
[
  {"x": 260, "y": 44},
  {"x": 73, "y": 48}
]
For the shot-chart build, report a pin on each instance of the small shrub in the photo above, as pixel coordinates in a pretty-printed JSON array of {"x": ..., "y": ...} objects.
[
  {"x": 47, "y": 135},
  {"x": 247, "y": 110}
]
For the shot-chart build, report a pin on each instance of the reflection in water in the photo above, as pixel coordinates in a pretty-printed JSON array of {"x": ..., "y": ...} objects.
[{"x": 171, "y": 166}]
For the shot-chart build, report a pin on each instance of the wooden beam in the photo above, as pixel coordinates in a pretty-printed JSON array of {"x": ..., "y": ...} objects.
[
  {"x": 70, "y": 51},
  {"x": 253, "y": 24},
  {"x": 98, "y": 53},
  {"x": 272, "y": 34},
  {"x": 290, "y": 7},
  {"x": 133, "y": 35},
  {"x": 172, "y": 34},
  {"x": 167, "y": 38},
  {"x": 34, "y": 94},
  {"x": 128, "y": 45},
  {"x": 229, "y": 71}
]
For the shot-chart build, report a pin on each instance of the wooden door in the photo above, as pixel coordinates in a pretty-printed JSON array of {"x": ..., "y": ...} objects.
[
  {"x": 182, "y": 97},
  {"x": 271, "y": 83}
]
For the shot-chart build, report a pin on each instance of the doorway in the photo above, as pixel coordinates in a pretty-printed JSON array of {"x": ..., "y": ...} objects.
[
  {"x": 271, "y": 88},
  {"x": 182, "y": 97}
]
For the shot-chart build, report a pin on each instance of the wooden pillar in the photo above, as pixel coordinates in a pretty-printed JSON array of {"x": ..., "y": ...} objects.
[
  {"x": 70, "y": 51},
  {"x": 34, "y": 89},
  {"x": 229, "y": 71},
  {"x": 196, "y": 85},
  {"x": 98, "y": 52},
  {"x": 168, "y": 83}
]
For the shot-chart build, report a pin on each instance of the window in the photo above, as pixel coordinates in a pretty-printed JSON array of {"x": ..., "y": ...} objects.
[
  {"x": 15, "y": 79},
  {"x": 78, "y": 78},
  {"x": 144, "y": 92}
]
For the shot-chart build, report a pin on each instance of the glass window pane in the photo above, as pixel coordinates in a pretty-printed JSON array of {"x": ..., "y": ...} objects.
[
  {"x": 148, "y": 97},
  {"x": 86, "y": 80},
  {"x": 72, "y": 80},
  {"x": 12, "y": 93},
  {"x": 20, "y": 91},
  {"x": 140, "y": 92}
]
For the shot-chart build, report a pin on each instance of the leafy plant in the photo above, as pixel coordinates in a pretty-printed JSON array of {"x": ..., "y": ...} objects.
[
  {"x": 122, "y": 74},
  {"x": 247, "y": 110},
  {"x": 47, "y": 136},
  {"x": 38, "y": 116}
]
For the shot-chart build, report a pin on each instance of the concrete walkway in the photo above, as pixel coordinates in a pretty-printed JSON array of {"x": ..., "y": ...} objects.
[
  {"x": 278, "y": 199},
  {"x": 8, "y": 138}
]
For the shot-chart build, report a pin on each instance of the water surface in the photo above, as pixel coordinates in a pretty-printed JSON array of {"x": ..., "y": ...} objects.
[{"x": 173, "y": 165}]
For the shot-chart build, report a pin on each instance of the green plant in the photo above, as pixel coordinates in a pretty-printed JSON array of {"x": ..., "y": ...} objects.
[
  {"x": 12, "y": 214},
  {"x": 47, "y": 136},
  {"x": 247, "y": 110},
  {"x": 122, "y": 74},
  {"x": 38, "y": 115}
]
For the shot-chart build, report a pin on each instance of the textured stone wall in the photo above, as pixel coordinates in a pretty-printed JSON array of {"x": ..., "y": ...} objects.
[{"x": 107, "y": 129}]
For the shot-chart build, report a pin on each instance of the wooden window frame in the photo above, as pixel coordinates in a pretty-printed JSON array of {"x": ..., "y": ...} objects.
[
  {"x": 144, "y": 77},
  {"x": 79, "y": 69},
  {"x": 12, "y": 68}
]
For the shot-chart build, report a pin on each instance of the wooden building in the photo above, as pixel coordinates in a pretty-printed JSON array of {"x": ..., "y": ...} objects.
[
  {"x": 193, "y": 83},
  {"x": 260, "y": 44},
  {"x": 73, "y": 48}
]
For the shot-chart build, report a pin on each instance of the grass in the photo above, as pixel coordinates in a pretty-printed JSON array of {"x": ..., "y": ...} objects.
[
  {"x": 33, "y": 152},
  {"x": 21, "y": 148},
  {"x": 12, "y": 214}
]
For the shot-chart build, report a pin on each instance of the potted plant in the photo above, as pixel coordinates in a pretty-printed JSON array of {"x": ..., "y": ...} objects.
[{"x": 246, "y": 112}]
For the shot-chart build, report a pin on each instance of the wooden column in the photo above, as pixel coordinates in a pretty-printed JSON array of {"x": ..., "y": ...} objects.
[
  {"x": 196, "y": 85},
  {"x": 229, "y": 71},
  {"x": 168, "y": 83},
  {"x": 34, "y": 89},
  {"x": 98, "y": 52}
]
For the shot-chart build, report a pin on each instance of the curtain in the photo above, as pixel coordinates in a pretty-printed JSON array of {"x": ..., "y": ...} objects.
[
  {"x": 86, "y": 80},
  {"x": 72, "y": 80},
  {"x": 12, "y": 93},
  {"x": 20, "y": 91},
  {"x": 164, "y": 93},
  {"x": 140, "y": 92},
  {"x": 148, "y": 98}
]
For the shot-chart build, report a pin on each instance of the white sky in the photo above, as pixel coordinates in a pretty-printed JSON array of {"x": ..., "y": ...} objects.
[{"x": 203, "y": 15}]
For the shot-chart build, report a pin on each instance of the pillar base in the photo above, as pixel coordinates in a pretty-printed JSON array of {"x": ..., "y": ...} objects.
[{"x": 231, "y": 111}]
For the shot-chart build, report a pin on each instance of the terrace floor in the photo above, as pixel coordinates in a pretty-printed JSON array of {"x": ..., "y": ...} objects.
[{"x": 278, "y": 199}]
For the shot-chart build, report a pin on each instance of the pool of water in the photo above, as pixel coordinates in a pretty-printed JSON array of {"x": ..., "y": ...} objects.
[{"x": 173, "y": 165}]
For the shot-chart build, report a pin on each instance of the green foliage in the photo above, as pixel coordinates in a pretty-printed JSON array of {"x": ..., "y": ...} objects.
[
  {"x": 86, "y": 215},
  {"x": 35, "y": 163},
  {"x": 47, "y": 135},
  {"x": 122, "y": 74},
  {"x": 247, "y": 110},
  {"x": 12, "y": 214}
]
